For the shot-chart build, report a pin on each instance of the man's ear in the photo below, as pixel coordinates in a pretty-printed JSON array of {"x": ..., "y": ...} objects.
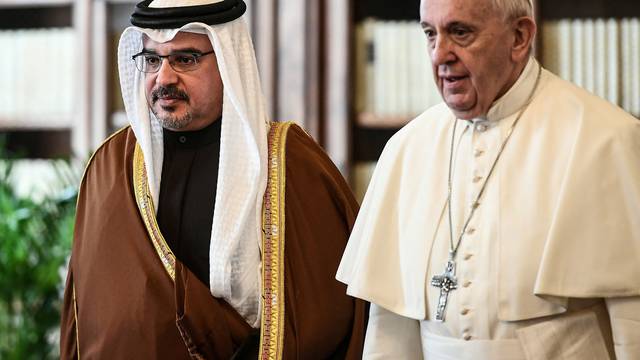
[{"x": 524, "y": 35}]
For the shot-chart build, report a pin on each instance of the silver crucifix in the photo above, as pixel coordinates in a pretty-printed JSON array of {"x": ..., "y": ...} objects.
[{"x": 446, "y": 282}]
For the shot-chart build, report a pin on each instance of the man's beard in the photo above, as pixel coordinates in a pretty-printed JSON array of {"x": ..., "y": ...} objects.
[{"x": 170, "y": 121}]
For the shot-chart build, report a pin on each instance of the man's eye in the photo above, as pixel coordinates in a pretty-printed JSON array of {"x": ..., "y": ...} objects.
[
  {"x": 185, "y": 59},
  {"x": 460, "y": 32},
  {"x": 430, "y": 34},
  {"x": 151, "y": 60}
]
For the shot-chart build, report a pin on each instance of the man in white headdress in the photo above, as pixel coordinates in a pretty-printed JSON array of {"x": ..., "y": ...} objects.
[
  {"x": 179, "y": 247},
  {"x": 503, "y": 223}
]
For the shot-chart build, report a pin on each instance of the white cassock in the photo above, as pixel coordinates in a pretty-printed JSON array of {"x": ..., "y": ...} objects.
[{"x": 549, "y": 267}]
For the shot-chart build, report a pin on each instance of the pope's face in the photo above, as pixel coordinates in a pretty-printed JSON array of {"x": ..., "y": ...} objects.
[
  {"x": 470, "y": 49},
  {"x": 184, "y": 101}
]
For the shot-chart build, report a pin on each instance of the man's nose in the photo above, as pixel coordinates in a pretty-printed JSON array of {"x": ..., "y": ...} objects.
[
  {"x": 442, "y": 51},
  {"x": 166, "y": 75}
]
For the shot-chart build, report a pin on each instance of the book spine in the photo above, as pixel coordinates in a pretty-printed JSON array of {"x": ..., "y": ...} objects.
[
  {"x": 626, "y": 68},
  {"x": 613, "y": 61},
  {"x": 634, "y": 77},
  {"x": 600, "y": 62},
  {"x": 551, "y": 46},
  {"x": 577, "y": 44},
  {"x": 565, "y": 58},
  {"x": 588, "y": 39}
]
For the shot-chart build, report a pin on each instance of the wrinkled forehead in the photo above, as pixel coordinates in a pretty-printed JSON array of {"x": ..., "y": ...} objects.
[{"x": 444, "y": 11}]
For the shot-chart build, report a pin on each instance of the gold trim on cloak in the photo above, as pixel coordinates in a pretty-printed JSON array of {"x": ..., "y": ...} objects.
[
  {"x": 148, "y": 213},
  {"x": 75, "y": 317},
  {"x": 273, "y": 237}
]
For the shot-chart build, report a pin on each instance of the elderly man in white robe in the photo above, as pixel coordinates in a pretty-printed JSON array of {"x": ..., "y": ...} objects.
[{"x": 503, "y": 223}]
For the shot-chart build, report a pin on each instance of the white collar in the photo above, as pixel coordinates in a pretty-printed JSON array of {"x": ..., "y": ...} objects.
[{"x": 517, "y": 96}]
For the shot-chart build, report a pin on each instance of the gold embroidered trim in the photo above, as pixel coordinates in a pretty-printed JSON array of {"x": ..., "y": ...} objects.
[
  {"x": 148, "y": 213},
  {"x": 273, "y": 220},
  {"x": 75, "y": 317}
]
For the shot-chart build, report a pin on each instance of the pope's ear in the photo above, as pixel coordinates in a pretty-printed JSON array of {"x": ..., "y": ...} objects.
[{"x": 524, "y": 34}]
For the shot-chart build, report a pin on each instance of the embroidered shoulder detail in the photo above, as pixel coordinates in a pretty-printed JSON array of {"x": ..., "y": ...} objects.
[
  {"x": 273, "y": 242},
  {"x": 148, "y": 213}
]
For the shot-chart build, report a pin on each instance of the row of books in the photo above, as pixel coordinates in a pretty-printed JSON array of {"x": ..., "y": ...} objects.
[
  {"x": 600, "y": 55},
  {"x": 37, "y": 72},
  {"x": 394, "y": 79}
]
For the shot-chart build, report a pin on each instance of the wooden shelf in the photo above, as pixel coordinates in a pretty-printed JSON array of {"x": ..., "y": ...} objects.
[
  {"x": 581, "y": 9},
  {"x": 371, "y": 120},
  {"x": 28, "y": 15},
  {"x": 381, "y": 9}
]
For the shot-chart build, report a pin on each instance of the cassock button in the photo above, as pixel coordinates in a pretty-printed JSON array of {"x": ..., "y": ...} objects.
[
  {"x": 182, "y": 139},
  {"x": 468, "y": 256},
  {"x": 466, "y": 284},
  {"x": 481, "y": 127},
  {"x": 471, "y": 230},
  {"x": 464, "y": 312},
  {"x": 466, "y": 337},
  {"x": 477, "y": 179},
  {"x": 478, "y": 153}
]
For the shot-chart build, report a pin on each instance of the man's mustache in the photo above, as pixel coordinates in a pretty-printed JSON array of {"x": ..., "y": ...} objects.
[{"x": 168, "y": 92}]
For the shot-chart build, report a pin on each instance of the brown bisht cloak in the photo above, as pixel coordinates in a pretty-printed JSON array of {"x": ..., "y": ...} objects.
[{"x": 128, "y": 297}]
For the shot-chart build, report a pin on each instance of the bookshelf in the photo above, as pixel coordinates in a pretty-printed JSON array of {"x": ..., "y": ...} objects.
[
  {"x": 95, "y": 109},
  {"x": 39, "y": 79},
  {"x": 596, "y": 45},
  {"x": 369, "y": 129}
]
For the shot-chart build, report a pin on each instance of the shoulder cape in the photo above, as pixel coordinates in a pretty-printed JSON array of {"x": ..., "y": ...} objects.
[{"x": 569, "y": 193}]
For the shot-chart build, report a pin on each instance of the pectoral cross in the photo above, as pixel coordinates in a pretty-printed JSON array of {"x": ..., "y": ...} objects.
[{"x": 446, "y": 282}]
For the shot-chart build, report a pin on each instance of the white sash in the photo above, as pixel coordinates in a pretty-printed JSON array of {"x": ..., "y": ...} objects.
[{"x": 436, "y": 347}]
